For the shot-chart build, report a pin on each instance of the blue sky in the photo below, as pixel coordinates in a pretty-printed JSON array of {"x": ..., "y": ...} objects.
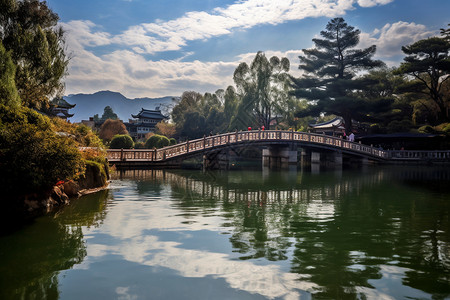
[{"x": 149, "y": 48}]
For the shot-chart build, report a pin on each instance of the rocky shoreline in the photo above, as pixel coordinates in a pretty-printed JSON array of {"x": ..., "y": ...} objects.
[{"x": 28, "y": 207}]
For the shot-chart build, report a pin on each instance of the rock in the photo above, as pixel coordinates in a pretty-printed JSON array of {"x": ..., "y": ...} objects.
[
  {"x": 71, "y": 188},
  {"x": 59, "y": 196}
]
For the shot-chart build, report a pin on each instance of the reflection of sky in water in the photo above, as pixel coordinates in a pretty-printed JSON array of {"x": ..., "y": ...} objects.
[
  {"x": 152, "y": 240},
  {"x": 164, "y": 240}
]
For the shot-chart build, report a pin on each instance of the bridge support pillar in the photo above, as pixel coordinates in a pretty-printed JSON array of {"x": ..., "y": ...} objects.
[
  {"x": 338, "y": 160},
  {"x": 279, "y": 157},
  {"x": 216, "y": 161},
  {"x": 315, "y": 157}
]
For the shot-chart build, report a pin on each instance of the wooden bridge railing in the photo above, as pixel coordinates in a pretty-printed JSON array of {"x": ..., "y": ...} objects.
[{"x": 245, "y": 136}]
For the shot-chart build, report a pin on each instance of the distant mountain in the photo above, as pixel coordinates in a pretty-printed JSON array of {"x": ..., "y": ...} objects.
[{"x": 87, "y": 105}]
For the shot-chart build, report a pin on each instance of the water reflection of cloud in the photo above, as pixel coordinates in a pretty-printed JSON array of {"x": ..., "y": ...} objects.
[{"x": 130, "y": 224}]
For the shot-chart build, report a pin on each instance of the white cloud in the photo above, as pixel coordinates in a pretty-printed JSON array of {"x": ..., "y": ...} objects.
[
  {"x": 174, "y": 34},
  {"x": 370, "y": 3},
  {"x": 129, "y": 72},
  {"x": 392, "y": 37},
  {"x": 80, "y": 34}
]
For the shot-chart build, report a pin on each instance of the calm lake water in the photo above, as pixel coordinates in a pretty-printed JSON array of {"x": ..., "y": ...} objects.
[{"x": 376, "y": 233}]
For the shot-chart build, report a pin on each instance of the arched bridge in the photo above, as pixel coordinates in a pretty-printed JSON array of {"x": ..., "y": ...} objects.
[{"x": 173, "y": 155}]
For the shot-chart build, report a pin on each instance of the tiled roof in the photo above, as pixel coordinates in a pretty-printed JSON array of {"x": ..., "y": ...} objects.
[{"x": 150, "y": 114}]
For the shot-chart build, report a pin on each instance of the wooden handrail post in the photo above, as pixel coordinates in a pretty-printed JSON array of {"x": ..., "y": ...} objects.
[
  {"x": 187, "y": 146},
  {"x": 121, "y": 154}
]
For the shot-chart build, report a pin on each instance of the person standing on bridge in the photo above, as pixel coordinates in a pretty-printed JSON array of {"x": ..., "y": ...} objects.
[{"x": 351, "y": 137}]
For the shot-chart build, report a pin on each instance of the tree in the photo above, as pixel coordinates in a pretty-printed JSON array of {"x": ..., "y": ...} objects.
[
  {"x": 8, "y": 91},
  {"x": 331, "y": 68},
  {"x": 446, "y": 33},
  {"x": 165, "y": 128},
  {"x": 121, "y": 141},
  {"x": 428, "y": 62},
  {"x": 108, "y": 113},
  {"x": 262, "y": 87},
  {"x": 110, "y": 128},
  {"x": 29, "y": 31},
  {"x": 196, "y": 115}
]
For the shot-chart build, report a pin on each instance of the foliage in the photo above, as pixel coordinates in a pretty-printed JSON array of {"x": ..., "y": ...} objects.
[
  {"x": 172, "y": 141},
  {"x": 139, "y": 145},
  {"x": 110, "y": 128},
  {"x": 82, "y": 134},
  {"x": 446, "y": 33},
  {"x": 331, "y": 67},
  {"x": 8, "y": 91},
  {"x": 399, "y": 126},
  {"x": 428, "y": 61},
  {"x": 165, "y": 128},
  {"x": 426, "y": 129},
  {"x": 157, "y": 141},
  {"x": 121, "y": 141},
  {"x": 263, "y": 89},
  {"x": 108, "y": 113},
  {"x": 32, "y": 156},
  {"x": 29, "y": 31},
  {"x": 197, "y": 115}
]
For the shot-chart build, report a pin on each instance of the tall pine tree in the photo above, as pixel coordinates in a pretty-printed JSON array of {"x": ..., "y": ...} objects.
[
  {"x": 428, "y": 62},
  {"x": 331, "y": 68}
]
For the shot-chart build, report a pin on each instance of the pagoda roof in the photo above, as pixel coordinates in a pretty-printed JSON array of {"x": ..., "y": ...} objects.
[
  {"x": 150, "y": 114},
  {"x": 336, "y": 122},
  {"x": 62, "y": 103}
]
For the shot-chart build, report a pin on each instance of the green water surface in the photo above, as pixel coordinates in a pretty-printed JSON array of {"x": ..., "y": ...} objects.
[{"x": 377, "y": 233}]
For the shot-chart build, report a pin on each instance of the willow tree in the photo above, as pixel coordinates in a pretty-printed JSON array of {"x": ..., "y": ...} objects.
[
  {"x": 330, "y": 70},
  {"x": 262, "y": 88},
  {"x": 29, "y": 31}
]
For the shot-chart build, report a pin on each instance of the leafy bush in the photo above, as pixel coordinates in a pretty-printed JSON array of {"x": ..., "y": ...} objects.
[
  {"x": 163, "y": 142},
  {"x": 157, "y": 141},
  {"x": 153, "y": 141},
  {"x": 172, "y": 141},
  {"x": 83, "y": 134},
  {"x": 121, "y": 141},
  {"x": 446, "y": 128},
  {"x": 426, "y": 129},
  {"x": 32, "y": 156}
]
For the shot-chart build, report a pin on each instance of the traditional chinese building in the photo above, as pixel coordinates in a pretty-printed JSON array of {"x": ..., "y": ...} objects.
[
  {"x": 332, "y": 127},
  {"x": 144, "y": 122},
  {"x": 60, "y": 108}
]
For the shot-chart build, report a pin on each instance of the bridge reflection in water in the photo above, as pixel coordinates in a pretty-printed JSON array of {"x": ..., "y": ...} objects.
[{"x": 281, "y": 186}]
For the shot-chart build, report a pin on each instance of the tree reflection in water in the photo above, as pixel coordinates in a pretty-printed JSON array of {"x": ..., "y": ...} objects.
[
  {"x": 30, "y": 261},
  {"x": 346, "y": 233}
]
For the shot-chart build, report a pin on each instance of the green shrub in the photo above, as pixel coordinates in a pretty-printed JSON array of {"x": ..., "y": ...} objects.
[
  {"x": 157, "y": 141},
  {"x": 32, "y": 156},
  {"x": 446, "y": 128},
  {"x": 153, "y": 141},
  {"x": 426, "y": 129},
  {"x": 163, "y": 142},
  {"x": 172, "y": 141},
  {"x": 121, "y": 141}
]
